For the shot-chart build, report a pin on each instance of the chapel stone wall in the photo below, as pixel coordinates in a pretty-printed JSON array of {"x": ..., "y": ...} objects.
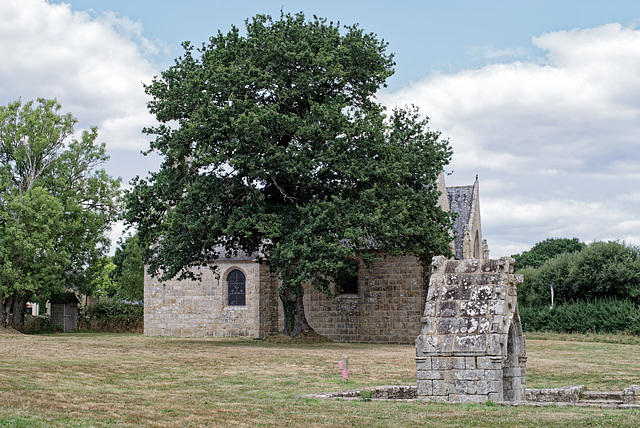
[
  {"x": 386, "y": 309},
  {"x": 191, "y": 308}
]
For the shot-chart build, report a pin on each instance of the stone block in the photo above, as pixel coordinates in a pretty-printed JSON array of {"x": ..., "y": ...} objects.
[
  {"x": 423, "y": 363},
  {"x": 631, "y": 395},
  {"x": 485, "y": 386},
  {"x": 425, "y": 387},
  {"x": 429, "y": 309},
  {"x": 431, "y": 374},
  {"x": 496, "y": 307},
  {"x": 447, "y": 345},
  {"x": 492, "y": 375},
  {"x": 467, "y": 374},
  {"x": 469, "y": 363},
  {"x": 429, "y": 325},
  {"x": 461, "y": 399},
  {"x": 496, "y": 344},
  {"x": 442, "y": 363},
  {"x": 490, "y": 265},
  {"x": 485, "y": 293},
  {"x": 459, "y": 292},
  {"x": 495, "y": 396},
  {"x": 488, "y": 363},
  {"x": 434, "y": 293},
  {"x": 428, "y": 345},
  {"x": 452, "y": 279},
  {"x": 473, "y": 308},
  {"x": 471, "y": 344},
  {"x": 447, "y": 309},
  {"x": 446, "y": 387},
  {"x": 498, "y": 324}
]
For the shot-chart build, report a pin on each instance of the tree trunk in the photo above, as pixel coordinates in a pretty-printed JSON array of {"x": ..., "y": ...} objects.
[
  {"x": 5, "y": 306},
  {"x": 295, "y": 320},
  {"x": 19, "y": 308}
]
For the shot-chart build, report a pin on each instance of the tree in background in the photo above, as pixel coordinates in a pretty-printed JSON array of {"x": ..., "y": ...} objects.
[
  {"x": 280, "y": 149},
  {"x": 128, "y": 270},
  {"x": 56, "y": 205},
  {"x": 601, "y": 270},
  {"x": 545, "y": 250}
]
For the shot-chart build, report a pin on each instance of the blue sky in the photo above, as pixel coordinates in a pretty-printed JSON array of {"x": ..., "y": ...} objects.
[{"x": 540, "y": 98}]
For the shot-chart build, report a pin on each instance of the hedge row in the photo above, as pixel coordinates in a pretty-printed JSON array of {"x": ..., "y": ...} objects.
[
  {"x": 600, "y": 316},
  {"x": 114, "y": 316}
]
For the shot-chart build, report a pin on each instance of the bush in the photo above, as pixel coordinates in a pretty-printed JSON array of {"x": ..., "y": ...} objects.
[
  {"x": 600, "y": 316},
  {"x": 113, "y": 316},
  {"x": 38, "y": 324},
  {"x": 601, "y": 270}
]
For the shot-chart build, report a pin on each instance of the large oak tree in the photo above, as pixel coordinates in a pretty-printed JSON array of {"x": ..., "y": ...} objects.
[{"x": 274, "y": 145}]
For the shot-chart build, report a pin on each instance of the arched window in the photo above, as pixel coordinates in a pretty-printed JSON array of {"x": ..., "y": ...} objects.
[{"x": 236, "y": 286}]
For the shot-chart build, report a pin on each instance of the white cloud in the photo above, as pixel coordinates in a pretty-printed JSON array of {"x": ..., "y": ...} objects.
[
  {"x": 557, "y": 139},
  {"x": 95, "y": 66}
]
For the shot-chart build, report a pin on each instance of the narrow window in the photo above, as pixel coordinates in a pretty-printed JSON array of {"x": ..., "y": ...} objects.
[
  {"x": 348, "y": 283},
  {"x": 236, "y": 286}
]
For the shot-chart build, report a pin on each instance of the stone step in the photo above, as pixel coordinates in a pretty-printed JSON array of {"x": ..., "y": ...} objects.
[
  {"x": 601, "y": 402},
  {"x": 601, "y": 395}
]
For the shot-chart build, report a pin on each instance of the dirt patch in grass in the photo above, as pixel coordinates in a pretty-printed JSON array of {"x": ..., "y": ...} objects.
[{"x": 8, "y": 330}]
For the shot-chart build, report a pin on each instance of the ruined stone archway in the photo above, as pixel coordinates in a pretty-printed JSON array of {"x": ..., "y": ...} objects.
[{"x": 471, "y": 348}]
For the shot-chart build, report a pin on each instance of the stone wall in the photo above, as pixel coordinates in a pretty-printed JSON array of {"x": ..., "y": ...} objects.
[
  {"x": 386, "y": 309},
  {"x": 199, "y": 308}
]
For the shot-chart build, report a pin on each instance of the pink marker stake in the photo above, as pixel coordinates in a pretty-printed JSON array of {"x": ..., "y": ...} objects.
[{"x": 344, "y": 366}]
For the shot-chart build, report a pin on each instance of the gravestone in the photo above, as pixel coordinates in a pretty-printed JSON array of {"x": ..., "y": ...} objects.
[{"x": 471, "y": 347}]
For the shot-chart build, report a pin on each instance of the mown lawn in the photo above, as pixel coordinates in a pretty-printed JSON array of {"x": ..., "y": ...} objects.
[{"x": 82, "y": 380}]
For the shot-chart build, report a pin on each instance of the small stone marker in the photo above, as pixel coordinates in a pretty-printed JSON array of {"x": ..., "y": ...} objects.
[{"x": 344, "y": 366}]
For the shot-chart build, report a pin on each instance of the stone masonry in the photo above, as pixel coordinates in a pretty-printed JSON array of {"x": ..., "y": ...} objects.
[
  {"x": 386, "y": 309},
  {"x": 471, "y": 348}
]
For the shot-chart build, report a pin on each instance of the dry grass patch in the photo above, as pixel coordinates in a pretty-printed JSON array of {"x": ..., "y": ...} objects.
[{"x": 132, "y": 380}]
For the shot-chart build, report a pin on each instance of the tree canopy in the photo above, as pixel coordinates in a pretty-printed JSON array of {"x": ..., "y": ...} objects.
[
  {"x": 545, "y": 250},
  {"x": 600, "y": 270},
  {"x": 274, "y": 145},
  {"x": 56, "y": 205}
]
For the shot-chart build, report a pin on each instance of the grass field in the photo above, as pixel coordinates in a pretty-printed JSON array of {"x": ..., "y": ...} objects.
[{"x": 83, "y": 380}]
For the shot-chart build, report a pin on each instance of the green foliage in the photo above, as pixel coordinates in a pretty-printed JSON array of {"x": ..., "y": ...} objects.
[
  {"x": 38, "y": 324},
  {"x": 545, "y": 250},
  {"x": 601, "y": 270},
  {"x": 366, "y": 394},
  {"x": 281, "y": 149},
  {"x": 55, "y": 206},
  {"x": 127, "y": 274},
  {"x": 600, "y": 316},
  {"x": 112, "y": 315}
]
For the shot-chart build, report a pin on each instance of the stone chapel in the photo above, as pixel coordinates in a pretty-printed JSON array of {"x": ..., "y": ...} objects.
[{"x": 383, "y": 304}]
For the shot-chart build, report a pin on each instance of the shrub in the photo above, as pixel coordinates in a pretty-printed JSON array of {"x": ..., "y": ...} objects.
[
  {"x": 601, "y": 270},
  {"x": 38, "y": 324},
  {"x": 600, "y": 316},
  {"x": 112, "y": 315}
]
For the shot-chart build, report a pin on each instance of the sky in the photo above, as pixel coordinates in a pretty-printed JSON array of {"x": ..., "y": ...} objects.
[{"x": 540, "y": 99}]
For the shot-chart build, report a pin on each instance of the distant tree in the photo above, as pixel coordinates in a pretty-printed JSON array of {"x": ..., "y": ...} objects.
[
  {"x": 128, "y": 272},
  {"x": 280, "y": 149},
  {"x": 56, "y": 206},
  {"x": 545, "y": 250},
  {"x": 602, "y": 270}
]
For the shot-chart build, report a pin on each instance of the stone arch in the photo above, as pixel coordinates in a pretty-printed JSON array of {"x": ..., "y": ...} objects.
[{"x": 514, "y": 369}]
